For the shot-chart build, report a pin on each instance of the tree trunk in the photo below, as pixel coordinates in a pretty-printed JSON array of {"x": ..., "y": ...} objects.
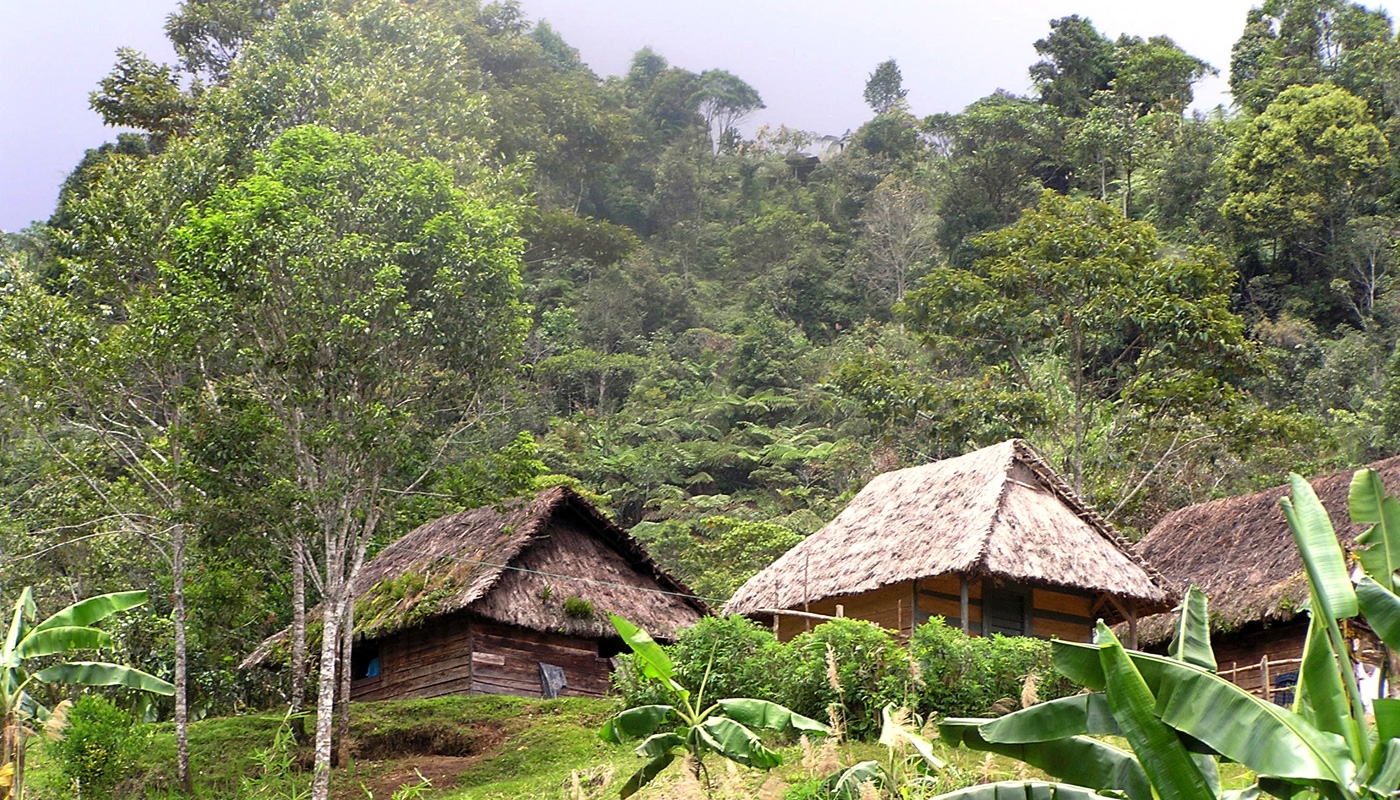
[
  {"x": 298, "y": 624},
  {"x": 342, "y": 716},
  {"x": 325, "y": 695},
  {"x": 182, "y": 716}
]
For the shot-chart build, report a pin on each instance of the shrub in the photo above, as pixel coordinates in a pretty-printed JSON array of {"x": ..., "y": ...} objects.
[
  {"x": 743, "y": 658},
  {"x": 965, "y": 675},
  {"x": 99, "y": 747},
  {"x": 872, "y": 670}
]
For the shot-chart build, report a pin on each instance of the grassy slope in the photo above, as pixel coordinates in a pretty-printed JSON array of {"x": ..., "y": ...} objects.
[{"x": 477, "y": 748}]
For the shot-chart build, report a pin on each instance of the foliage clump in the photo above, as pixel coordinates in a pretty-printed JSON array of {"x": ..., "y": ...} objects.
[
  {"x": 99, "y": 747},
  {"x": 963, "y": 675},
  {"x": 854, "y": 668}
]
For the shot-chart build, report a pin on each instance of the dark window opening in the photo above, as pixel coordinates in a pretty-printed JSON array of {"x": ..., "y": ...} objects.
[
  {"x": 1005, "y": 609},
  {"x": 364, "y": 662},
  {"x": 611, "y": 648}
]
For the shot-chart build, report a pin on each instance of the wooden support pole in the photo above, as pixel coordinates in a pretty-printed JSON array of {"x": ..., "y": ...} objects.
[
  {"x": 1264, "y": 676},
  {"x": 962, "y": 602},
  {"x": 840, "y": 611},
  {"x": 1132, "y": 624},
  {"x": 913, "y": 605}
]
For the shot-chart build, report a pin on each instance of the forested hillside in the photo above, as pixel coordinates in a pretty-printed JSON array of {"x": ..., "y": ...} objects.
[{"x": 366, "y": 262}]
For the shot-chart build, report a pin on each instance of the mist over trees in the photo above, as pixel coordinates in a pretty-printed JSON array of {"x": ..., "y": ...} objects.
[{"x": 366, "y": 263}]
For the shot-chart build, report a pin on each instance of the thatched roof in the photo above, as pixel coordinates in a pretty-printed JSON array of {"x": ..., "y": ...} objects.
[
  {"x": 1000, "y": 511},
  {"x": 517, "y": 564},
  {"x": 1240, "y": 552}
]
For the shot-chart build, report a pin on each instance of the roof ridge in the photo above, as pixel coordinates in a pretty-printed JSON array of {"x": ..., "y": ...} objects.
[
  {"x": 1087, "y": 513},
  {"x": 995, "y": 516}
]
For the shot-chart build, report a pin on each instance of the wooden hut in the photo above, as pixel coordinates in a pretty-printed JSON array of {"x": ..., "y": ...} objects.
[
  {"x": 506, "y": 600},
  {"x": 993, "y": 541},
  {"x": 1240, "y": 552}
]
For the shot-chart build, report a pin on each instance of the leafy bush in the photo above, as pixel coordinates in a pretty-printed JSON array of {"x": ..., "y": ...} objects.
[
  {"x": 872, "y": 670},
  {"x": 99, "y": 748},
  {"x": 965, "y": 675},
  {"x": 742, "y": 656}
]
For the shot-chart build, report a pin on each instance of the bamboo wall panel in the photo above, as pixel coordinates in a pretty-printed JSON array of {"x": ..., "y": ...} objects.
[
  {"x": 1062, "y": 602},
  {"x": 1055, "y": 612},
  {"x": 889, "y": 607},
  {"x": 1057, "y": 629}
]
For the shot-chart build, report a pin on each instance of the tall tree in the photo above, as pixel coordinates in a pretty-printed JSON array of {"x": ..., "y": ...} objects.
[
  {"x": 724, "y": 100},
  {"x": 884, "y": 89},
  {"x": 366, "y": 301},
  {"x": 1078, "y": 61},
  {"x": 1075, "y": 303},
  {"x": 1299, "y": 171}
]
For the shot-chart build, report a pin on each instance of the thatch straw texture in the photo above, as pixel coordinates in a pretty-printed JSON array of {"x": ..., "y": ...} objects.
[
  {"x": 1000, "y": 511},
  {"x": 517, "y": 564},
  {"x": 1240, "y": 552}
]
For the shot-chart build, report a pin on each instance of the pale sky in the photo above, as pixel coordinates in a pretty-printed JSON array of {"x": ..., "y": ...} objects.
[{"x": 809, "y": 60}]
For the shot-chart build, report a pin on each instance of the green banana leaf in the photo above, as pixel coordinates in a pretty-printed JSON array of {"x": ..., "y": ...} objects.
[
  {"x": 93, "y": 673},
  {"x": 1321, "y": 697},
  {"x": 1383, "y": 778},
  {"x": 1382, "y": 610},
  {"x": 50, "y": 641},
  {"x": 660, "y": 743},
  {"x": 655, "y": 663},
  {"x": 634, "y": 723},
  {"x": 92, "y": 610},
  {"x": 1075, "y": 759},
  {"x": 647, "y": 773},
  {"x": 737, "y": 743},
  {"x": 763, "y": 714},
  {"x": 1368, "y": 503},
  {"x": 1322, "y": 554},
  {"x": 1077, "y": 715},
  {"x": 848, "y": 784},
  {"x": 1191, "y": 637},
  {"x": 1163, "y": 757},
  {"x": 1270, "y": 740},
  {"x": 24, "y": 609},
  {"x": 1025, "y": 790},
  {"x": 1387, "y": 718}
]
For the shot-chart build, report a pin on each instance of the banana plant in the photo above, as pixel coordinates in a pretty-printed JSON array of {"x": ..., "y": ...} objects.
[
  {"x": 1178, "y": 716},
  {"x": 66, "y": 631},
  {"x": 898, "y": 733},
  {"x": 693, "y": 728}
]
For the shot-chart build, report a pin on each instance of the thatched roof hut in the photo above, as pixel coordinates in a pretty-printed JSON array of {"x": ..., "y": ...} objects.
[
  {"x": 498, "y": 583},
  {"x": 1000, "y": 513},
  {"x": 1240, "y": 552}
]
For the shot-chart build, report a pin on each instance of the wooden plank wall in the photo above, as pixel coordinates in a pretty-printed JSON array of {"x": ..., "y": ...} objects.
[
  {"x": 430, "y": 661},
  {"x": 1056, "y": 612},
  {"x": 506, "y": 660},
  {"x": 1243, "y": 651}
]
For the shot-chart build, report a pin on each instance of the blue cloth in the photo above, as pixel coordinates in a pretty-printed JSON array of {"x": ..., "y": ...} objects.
[{"x": 372, "y": 671}]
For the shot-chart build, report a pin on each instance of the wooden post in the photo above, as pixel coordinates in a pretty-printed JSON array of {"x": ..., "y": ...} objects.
[
  {"x": 806, "y": 594},
  {"x": 1264, "y": 676},
  {"x": 1132, "y": 624},
  {"x": 840, "y": 611},
  {"x": 962, "y": 601},
  {"x": 913, "y": 605}
]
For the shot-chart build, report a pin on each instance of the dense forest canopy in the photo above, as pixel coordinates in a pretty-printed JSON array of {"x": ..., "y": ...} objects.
[{"x": 365, "y": 262}]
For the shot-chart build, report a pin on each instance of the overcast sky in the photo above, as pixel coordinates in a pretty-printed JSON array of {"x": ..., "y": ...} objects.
[{"x": 809, "y": 60}]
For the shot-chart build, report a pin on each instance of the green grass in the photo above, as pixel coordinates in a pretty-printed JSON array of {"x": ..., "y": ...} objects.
[{"x": 498, "y": 747}]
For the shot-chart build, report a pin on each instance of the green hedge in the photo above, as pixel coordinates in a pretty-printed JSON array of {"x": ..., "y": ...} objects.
[
  {"x": 942, "y": 673},
  {"x": 963, "y": 675}
]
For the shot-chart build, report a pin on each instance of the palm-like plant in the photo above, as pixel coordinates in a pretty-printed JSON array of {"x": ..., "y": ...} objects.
[
  {"x": 66, "y": 631},
  {"x": 1178, "y": 717},
  {"x": 693, "y": 728}
]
